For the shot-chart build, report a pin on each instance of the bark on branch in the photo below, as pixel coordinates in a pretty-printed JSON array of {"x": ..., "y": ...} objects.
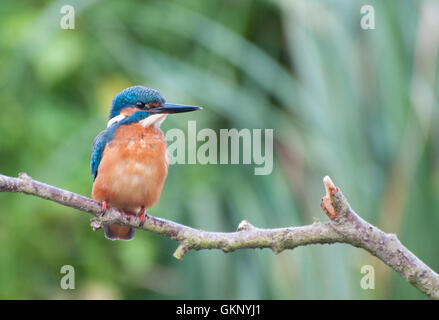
[{"x": 345, "y": 226}]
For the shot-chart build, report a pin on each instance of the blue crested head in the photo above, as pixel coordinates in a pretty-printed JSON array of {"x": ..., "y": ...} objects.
[{"x": 137, "y": 96}]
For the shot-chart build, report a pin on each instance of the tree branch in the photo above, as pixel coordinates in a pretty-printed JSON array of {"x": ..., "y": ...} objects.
[{"x": 345, "y": 226}]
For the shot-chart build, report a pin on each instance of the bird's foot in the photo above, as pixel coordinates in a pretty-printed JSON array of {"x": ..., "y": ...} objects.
[
  {"x": 104, "y": 207},
  {"x": 142, "y": 215}
]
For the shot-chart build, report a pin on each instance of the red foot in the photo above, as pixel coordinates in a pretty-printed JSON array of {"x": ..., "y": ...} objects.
[
  {"x": 142, "y": 215},
  {"x": 104, "y": 206}
]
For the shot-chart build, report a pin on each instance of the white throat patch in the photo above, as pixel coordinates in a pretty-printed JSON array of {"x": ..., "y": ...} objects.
[
  {"x": 115, "y": 119},
  {"x": 155, "y": 119}
]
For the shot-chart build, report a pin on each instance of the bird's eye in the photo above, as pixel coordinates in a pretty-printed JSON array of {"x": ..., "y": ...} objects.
[{"x": 140, "y": 104}]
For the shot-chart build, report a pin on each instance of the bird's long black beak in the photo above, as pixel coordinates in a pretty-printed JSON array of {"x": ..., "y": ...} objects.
[{"x": 173, "y": 108}]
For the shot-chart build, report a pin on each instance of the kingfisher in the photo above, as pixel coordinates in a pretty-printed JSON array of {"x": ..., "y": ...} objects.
[{"x": 129, "y": 161}]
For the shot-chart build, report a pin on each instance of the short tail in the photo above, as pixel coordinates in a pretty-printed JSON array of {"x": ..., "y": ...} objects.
[{"x": 119, "y": 232}]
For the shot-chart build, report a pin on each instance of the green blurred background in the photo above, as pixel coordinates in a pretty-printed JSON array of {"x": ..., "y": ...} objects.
[{"x": 358, "y": 105}]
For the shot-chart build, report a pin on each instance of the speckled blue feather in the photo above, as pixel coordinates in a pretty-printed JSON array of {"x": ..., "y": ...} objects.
[
  {"x": 131, "y": 95},
  {"x": 106, "y": 136}
]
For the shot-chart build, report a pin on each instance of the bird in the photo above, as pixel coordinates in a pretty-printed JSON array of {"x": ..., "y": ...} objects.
[{"x": 129, "y": 162}]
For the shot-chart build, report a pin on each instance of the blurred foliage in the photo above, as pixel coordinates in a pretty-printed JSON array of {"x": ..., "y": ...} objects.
[{"x": 358, "y": 105}]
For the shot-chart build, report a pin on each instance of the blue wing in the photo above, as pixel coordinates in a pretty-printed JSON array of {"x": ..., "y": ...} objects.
[{"x": 99, "y": 144}]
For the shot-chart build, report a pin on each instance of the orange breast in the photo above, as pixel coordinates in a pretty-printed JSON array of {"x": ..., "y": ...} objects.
[{"x": 133, "y": 168}]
